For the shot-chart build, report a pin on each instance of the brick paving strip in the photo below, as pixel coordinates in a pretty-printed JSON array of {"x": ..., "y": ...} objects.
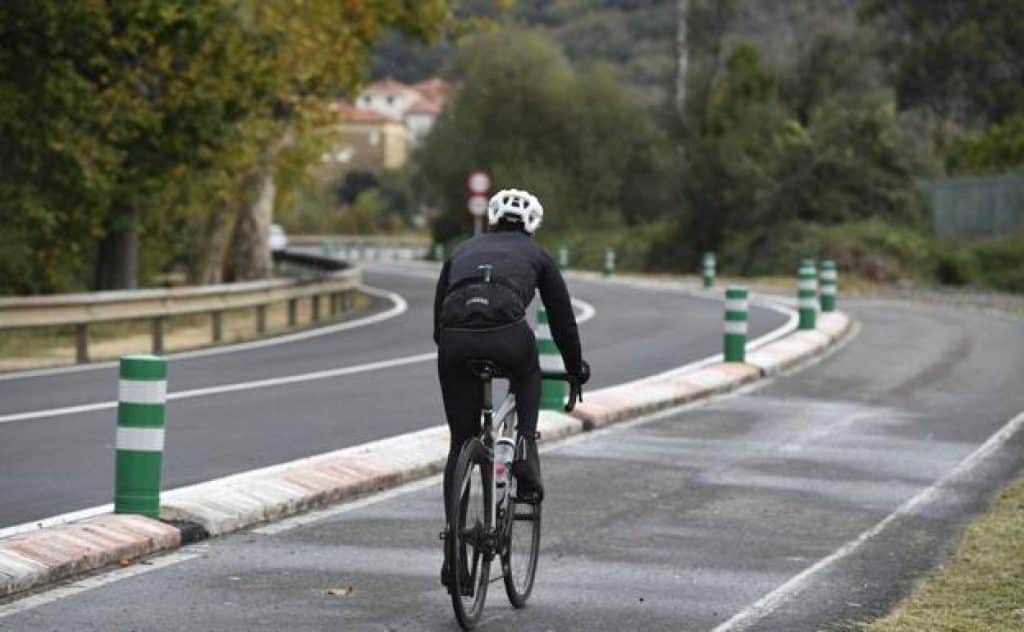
[{"x": 218, "y": 507}]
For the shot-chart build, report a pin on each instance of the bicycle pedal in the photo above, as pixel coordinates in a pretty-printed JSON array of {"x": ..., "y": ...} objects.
[{"x": 443, "y": 535}]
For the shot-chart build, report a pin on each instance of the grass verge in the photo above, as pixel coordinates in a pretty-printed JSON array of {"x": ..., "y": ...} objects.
[{"x": 982, "y": 587}]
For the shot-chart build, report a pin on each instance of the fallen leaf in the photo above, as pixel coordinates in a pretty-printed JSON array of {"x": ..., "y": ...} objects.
[{"x": 344, "y": 591}]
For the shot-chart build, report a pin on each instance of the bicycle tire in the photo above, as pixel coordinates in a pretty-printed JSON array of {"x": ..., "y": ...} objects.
[
  {"x": 471, "y": 489},
  {"x": 519, "y": 564}
]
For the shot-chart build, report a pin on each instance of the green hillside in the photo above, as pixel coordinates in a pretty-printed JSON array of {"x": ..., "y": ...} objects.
[{"x": 635, "y": 38}]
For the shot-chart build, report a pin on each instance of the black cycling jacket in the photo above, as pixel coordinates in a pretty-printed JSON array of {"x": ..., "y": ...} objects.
[{"x": 517, "y": 258}]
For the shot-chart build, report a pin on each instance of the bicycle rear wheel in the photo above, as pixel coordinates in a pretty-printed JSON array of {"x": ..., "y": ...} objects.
[
  {"x": 470, "y": 539},
  {"x": 522, "y": 548}
]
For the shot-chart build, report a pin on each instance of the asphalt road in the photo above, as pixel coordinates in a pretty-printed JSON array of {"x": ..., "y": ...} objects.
[
  {"x": 679, "y": 523},
  {"x": 58, "y": 464}
]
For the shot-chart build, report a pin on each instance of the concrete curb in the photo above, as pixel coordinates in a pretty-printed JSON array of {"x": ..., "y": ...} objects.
[
  {"x": 30, "y": 559},
  {"x": 250, "y": 498}
]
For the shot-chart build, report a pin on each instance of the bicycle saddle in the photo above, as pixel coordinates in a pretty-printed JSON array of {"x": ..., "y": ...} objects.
[{"x": 485, "y": 369}]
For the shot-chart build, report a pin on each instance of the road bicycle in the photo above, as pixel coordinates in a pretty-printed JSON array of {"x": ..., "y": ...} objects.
[{"x": 487, "y": 518}]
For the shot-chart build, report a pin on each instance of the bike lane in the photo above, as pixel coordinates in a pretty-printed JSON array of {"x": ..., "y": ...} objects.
[{"x": 682, "y": 522}]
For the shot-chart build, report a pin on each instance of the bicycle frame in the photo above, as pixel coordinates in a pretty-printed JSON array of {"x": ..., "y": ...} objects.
[{"x": 503, "y": 415}]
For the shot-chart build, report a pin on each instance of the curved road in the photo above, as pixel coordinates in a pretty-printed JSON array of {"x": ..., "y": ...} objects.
[
  {"x": 810, "y": 502},
  {"x": 55, "y": 464}
]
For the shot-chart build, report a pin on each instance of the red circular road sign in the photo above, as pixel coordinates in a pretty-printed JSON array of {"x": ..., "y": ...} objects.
[
  {"x": 479, "y": 182},
  {"x": 477, "y": 205}
]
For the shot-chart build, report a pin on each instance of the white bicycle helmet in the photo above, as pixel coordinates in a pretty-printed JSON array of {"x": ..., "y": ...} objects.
[{"x": 513, "y": 203}]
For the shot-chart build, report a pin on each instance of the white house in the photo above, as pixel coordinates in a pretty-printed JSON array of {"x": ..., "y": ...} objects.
[{"x": 417, "y": 105}]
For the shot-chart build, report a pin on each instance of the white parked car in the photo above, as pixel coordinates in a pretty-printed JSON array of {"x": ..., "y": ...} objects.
[{"x": 276, "y": 238}]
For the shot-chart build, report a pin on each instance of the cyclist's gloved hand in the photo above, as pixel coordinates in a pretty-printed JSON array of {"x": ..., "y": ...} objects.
[{"x": 583, "y": 376}]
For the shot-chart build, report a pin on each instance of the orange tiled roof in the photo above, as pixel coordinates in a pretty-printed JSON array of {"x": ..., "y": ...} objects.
[
  {"x": 434, "y": 88},
  {"x": 387, "y": 84},
  {"x": 347, "y": 112},
  {"x": 424, "y": 105}
]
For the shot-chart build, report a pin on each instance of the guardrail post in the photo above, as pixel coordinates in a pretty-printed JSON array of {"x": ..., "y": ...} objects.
[
  {"x": 708, "y": 264},
  {"x": 609, "y": 262},
  {"x": 261, "y": 319},
  {"x": 563, "y": 257},
  {"x": 829, "y": 280},
  {"x": 141, "y": 414},
  {"x": 217, "y": 325},
  {"x": 553, "y": 393},
  {"x": 158, "y": 334},
  {"x": 82, "y": 343},
  {"x": 806, "y": 293},
  {"x": 293, "y": 311},
  {"x": 315, "y": 304},
  {"x": 735, "y": 324}
]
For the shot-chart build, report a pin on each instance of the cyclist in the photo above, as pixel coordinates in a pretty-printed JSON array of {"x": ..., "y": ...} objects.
[{"x": 480, "y": 313}]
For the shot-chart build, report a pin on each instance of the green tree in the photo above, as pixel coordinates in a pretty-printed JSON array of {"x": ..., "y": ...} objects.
[
  {"x": 576, "y": 140},
  {"x": 108, "y": 109},
  {"x": 962, "y": 59},
  {"x": 757, "y": 168},
  {"x": 154, "y": 120},
  {"x": 1000, "y": 148},
  {"x": 312, "y": 50}
]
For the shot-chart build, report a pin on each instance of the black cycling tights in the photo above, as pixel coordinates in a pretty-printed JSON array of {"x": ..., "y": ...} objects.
[{"x": 514, "y": 350}]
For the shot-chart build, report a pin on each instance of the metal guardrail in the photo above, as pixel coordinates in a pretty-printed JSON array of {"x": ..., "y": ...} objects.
[
  {"x": 365, "y": 240},
  {"x": 366, "y": 247},
  {"x": 322, "y": 278}
]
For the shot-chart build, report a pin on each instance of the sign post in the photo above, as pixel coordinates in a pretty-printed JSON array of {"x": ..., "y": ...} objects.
[{"x": 478, "y": 183}]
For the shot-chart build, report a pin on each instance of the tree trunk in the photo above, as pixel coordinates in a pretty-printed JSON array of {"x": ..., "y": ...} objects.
[
  {"x": 682, "y": 54},
  {"x": 250, "y": 252},
  {"x": 117, "y": 261},
  {"x": 215, "y": 246}
]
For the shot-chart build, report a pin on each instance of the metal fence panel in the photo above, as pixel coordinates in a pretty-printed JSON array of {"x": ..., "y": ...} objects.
[{"x": 977, "y": 206}]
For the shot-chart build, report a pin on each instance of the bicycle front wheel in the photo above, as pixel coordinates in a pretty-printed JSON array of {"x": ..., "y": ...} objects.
[
  {"x": 522, "y": 547},
  {"x": 470, "y": 536}
]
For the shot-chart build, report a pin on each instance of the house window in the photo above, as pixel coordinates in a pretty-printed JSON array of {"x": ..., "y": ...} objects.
[
  {"x": 367, "y": 100},
  {"x": 391, "y": 99}
]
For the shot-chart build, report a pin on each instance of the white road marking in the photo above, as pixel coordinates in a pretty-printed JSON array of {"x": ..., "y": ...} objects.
[
  {"x": 586, "y": 310},
  {"x": 399, "y": 307},
  {"x": 783, "y": 593},
  {"x": 322, "y": 514},
  {"x": 231, "y": 388},
  {"x": 786, "y": 328},
  {"x": 96, "y": 581}
]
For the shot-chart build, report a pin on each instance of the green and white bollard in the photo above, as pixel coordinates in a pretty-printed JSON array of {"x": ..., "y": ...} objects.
[
  {"x": 806, "y": 294},
  {"x": 438, "y": 252},
  {"x": 563, "y": 257},
  {"x": 141, "y": 411},
  {"x": 735, "y": 324},
  {"x": 708, "y": 264},
  {"x": 609, "y": 262},
  {"x": 554, "y": 393},
  {"x": 829, "y": 281}
]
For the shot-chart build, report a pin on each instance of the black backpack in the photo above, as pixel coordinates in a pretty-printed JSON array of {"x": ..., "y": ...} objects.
[{"x": 482, "y": 302}]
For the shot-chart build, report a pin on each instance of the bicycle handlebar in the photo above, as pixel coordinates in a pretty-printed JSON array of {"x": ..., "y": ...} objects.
[{"x": 575, "y": 387}]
